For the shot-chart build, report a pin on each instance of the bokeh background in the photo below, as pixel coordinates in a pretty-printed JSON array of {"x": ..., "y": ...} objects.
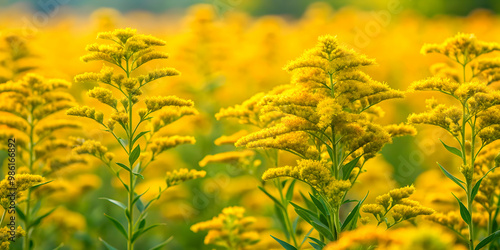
[{"x": 228, "y": 50}]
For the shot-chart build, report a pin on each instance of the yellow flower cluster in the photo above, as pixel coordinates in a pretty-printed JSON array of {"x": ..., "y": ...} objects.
[
  {"x": 462, "y": 47},
  {"x": 68, "y": 220},
  {"x": 168, "y": 116},
  {"x": 161, "y": 144},
  {"x": 178, "y": 176},
  {"x": 21, "y": 183},
  {"x": 396, "y": 202},
  {"x": 156, "y": 103},
  {"x": 85, "y": 111},
  {"x": 103, "y": 95},
  {"x": 47, "y": 127},
  {"x": 230, "y": 229},
  {"x": 5, "y": 235},
  {"x": 232, "y": 157},
  {"x": 230, "y": 139},
  {"x": 92, "y": 147}
]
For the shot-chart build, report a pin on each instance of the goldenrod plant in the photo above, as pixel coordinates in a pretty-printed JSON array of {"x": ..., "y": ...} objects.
[
  {"x": 128, "y": 50},
  {"x": 31, "y": 124},
  {"x": 326, "y": 117},
  {"x": 473, "y": 122}
]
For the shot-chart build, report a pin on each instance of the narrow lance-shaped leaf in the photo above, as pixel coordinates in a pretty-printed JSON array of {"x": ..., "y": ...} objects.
[
  {"x": 284, "y": 244},
  {"x": 353, "y": 215},
  {"x": 452, "y": 150},
  {"x": 487, "y": 240},
  {"x": 475, "y": 189},
  {"x": 118, "y": 225},
  {"x": 134, "y": 155},
  {"x": 347, "y": 168},
  {"x": 463, "y": 211},
  {"x": 451, "y": 177}
]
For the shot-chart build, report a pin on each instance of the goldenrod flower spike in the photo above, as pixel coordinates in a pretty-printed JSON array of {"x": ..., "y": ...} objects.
[
  {"x": 128, "y": 51},
  {"x": 178, "y": 176},
  {"x": 397, "y": 204}
]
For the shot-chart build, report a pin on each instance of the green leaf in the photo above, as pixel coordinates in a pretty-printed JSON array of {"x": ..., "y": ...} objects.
[
  {"x": 139, "y": 136},
  {"x": 321, "y": 208},
  {"x": 453, "y": 178},
  {"x": 281, "y": 219},
  {"x": 114, "y": 202},
  {"x": 306, "y": 236},
  {"x": 295, "y": 223},
  {"x": 315, "y": 246},
  {"x": 123, "y": 166},
  {"x": 452, "y": 150},
  {"x": 40, "y": 184},
  {"x": 488, "y": 239},
  {"x": 142, "y": 223},
  {"x": 463, "y": 211},
  {"x": 118, "y": 225},
  {"x": 123, "y": 142},
  {"x": 119, "y": 178},
  {"x": 323, "y": 229},
  {"x": 159, "y": 246},
  {"x": 134, "y": 155},
  {"x": 139, "y": 175},
  {"x": 107, "y": 245},
  {"x": 139, "y": 205},
  {"x": 312, "y": 219},
  {"x": 289, "y": 192},
  {"x": 272, "y": 198},
  {"x": 309, "y": 204},
  {"x": 475, "y": 189},
  {"x": 21, "y": 214},
  {"x": 347, "y": 168},
  {"x": 36, "y": 207},
  {"x": 284, "y": 244},
  {"x": 353, "y": 215},
  {"x": 141, "y": 232},
  {"x": 318, "y": 242},
  {"x": 39, "y": 219}
]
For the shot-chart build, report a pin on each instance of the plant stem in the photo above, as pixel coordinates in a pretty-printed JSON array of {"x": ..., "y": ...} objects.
[
  {"x": 130, "y": 244},
  {"x": 27, "y": 237}
]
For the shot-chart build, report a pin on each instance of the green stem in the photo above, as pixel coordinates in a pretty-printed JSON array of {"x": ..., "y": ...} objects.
[
  {"x": 27, "y": 211},
  {"x": 469, "y": 207},
  {"x": 130, "y": 244},
  {"x": 288, "y": 223}
]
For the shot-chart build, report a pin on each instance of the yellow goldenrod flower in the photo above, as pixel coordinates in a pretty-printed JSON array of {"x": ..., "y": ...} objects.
[
  {"x": 156, "y": 103},
  {"x": 103, "y": 95},
  {"x": 227, "y": 157},
  {"x": 178, "y": 176},
  {"x": 161, "y": 144},
  {"x": 230, "y": 139},
  {"x": 462, "y": 45},
  {"x": 22, "y": 183}
]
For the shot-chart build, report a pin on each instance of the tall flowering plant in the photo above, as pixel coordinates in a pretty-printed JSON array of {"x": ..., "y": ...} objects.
[
  {"x": 474, "y": 123},
  {"x": 128, "y": 51},
  {"x": 325, "y": 117}
]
